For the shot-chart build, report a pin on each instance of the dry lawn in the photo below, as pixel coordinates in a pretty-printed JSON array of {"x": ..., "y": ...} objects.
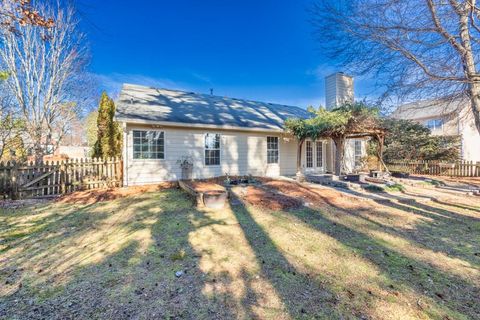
[{"x": 339, "y": 257}]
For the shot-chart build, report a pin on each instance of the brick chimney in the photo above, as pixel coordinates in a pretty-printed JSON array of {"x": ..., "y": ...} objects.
[{"x": 338, "y": 89}]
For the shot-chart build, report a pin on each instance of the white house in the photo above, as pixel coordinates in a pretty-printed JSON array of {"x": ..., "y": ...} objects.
[
  {"x": 446, "y": 118},
  {"x": 221, "y": 135}
]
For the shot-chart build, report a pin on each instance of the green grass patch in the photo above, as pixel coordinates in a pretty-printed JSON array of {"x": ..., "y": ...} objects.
[
  {"x": 433, "y": 182},
  {"x": 397, "y": 187},
  {"x": 178, "y": 255},
  {"x": 374, "y": 188}
]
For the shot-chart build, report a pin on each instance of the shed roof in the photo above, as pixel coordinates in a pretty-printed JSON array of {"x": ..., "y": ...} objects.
[{"x": 140, "y": 104}]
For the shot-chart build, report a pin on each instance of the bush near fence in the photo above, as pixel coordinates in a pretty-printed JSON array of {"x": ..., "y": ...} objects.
[
  {"x": 52, "y": 178},
  {"x": 437, "y": 168}
]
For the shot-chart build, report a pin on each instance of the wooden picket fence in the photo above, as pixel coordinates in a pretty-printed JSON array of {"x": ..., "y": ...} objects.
[
  {"x": 47, "y": 179},
  {"x": 437, "y": 168}
]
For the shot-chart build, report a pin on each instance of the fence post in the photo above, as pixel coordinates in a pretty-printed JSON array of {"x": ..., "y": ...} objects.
[
  {"x": 14, "y": 181},
  {"x": 62, "y": 178}
]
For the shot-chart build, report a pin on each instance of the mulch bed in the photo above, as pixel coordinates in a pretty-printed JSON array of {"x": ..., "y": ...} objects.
[
  {"x": 100, "y": 195},
  {"x": 272, "y": 194},
  {"x": 283, "y": 195},
  {"x": 309, "y": 195}
]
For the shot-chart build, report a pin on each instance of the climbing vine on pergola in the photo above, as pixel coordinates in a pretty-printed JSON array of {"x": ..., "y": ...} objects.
[{"x": 351, "y": 120}]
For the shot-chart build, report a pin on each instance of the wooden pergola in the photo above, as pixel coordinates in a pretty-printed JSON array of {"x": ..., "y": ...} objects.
[
  {"x": 356, "y": 129},
  {"x": 376, "y": 133}
]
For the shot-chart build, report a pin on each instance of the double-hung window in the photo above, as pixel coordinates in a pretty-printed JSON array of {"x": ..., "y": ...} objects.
[
  {"x": 212, "y": 149},
  {"x": 148, "y": 144},
  {"x": 435, "y": 124},
  {"x": 272, "y": 150}
]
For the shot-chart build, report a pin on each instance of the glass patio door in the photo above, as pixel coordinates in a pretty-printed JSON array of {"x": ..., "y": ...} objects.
[{"x": 314, "y": 156}]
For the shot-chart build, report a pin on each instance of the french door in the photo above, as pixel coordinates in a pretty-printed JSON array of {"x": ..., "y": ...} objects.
[{"x": 314, "y": 156}]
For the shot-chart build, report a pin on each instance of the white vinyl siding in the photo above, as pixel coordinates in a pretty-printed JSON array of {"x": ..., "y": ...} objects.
[{"x": 241, "y": 153}]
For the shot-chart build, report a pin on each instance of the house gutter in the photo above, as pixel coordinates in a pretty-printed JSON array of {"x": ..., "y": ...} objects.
[{"x": 196, "y": 125}]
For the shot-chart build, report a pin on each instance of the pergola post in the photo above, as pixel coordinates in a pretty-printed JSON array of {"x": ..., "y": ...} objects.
[
  {"x": 300, "y": 176},
  {"x": 381, "y": 141},
  {"x": 339, "y": 141}
]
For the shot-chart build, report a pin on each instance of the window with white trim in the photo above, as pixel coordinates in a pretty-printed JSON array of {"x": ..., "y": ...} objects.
[
  {"x": 272, "y": 150},
  {"x": 358, "y": 153},
  {"x": 434, "y": 124},
  {"x": 212, "y": 149},
  {"x": 309, "y": 154},
  {"x": 319, "y": 147},
  {"x": 148, "y": 144}
]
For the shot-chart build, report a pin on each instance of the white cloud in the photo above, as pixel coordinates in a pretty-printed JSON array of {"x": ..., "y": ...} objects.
[{"x": 321, "y": 71}]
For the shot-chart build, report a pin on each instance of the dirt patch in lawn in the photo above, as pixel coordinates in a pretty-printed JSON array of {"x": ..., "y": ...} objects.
[
  {"x": 311, "y": 195},
  {"x": 261, "y": 197},
  {"x": 101, "y": 195},
  {"x": 283, "y": 195}
]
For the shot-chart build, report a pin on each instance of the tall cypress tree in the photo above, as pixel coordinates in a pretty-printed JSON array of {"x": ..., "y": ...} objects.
[{"x": 109, "y": 136}]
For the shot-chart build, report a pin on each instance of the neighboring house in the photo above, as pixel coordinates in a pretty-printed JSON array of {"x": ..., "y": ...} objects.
[
  {"x": 452, "y": 118},
  {"x": 72, "y": 152},
  {"x": 221, "y": 135},
  {"x": 63, "y": 153}
]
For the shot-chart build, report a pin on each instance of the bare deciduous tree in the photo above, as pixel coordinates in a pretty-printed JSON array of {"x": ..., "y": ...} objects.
[
  {"x": 413, "y": 48},
  {"x": 44, "y": 75}
]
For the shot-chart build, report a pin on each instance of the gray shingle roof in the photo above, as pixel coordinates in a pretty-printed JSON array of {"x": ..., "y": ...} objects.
[
  {"x": 428, "y": 109},
  {"x": 144, "y": 104}
]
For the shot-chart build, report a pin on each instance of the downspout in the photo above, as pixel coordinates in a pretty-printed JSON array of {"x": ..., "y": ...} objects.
[
  {"x": 461, "y": 137},
  {"x": 125, "y": 154}
]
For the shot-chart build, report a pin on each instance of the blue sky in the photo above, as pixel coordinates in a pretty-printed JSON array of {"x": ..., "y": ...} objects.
[{"x": 261, "y": 50}]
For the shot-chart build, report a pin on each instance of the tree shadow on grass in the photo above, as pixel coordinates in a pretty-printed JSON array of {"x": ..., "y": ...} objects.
[
  {"x": 448, "y": 293},
  {"x": 440, "y": 229},
  {"x": 459, "y": 206},
  {"x": 445, "y": 203},
  {"x": 454, "y": 234},
  {"x": 301, "y": 294},
  {"x": 445, "y": 289},
  {"x": 136, "y": 280}
]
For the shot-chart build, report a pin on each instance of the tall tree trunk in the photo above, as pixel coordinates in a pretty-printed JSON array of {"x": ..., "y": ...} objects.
[
  {"x": 339, "y": 154},
  {"x": 299, "y": 160},
  {"x": 38, "y": 148},
  {"x": 470, "y": 69},
  {"x": 475, "y": 100},
  {"x": 380, "y": 144}
]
